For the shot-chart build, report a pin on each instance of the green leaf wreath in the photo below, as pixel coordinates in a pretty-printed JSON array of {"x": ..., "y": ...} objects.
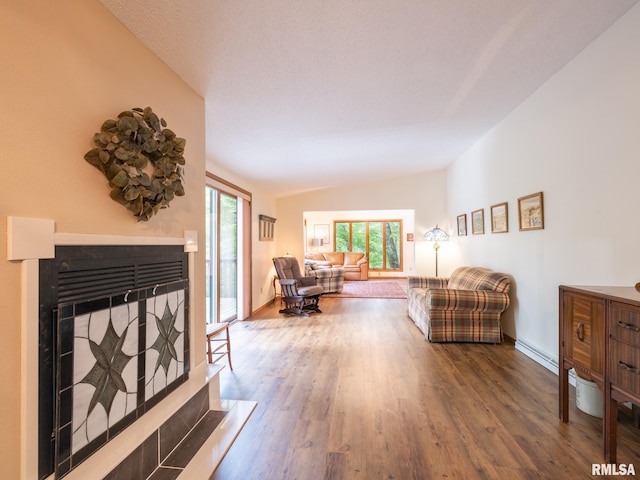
[{"x": 142, "y": 159}]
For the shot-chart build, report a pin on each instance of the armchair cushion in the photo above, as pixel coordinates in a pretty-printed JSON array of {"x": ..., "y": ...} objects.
[
  {"x": 476, "y": 278},
  {"x": 306, "y": 281},
  {"x": 474, "y": 300}
]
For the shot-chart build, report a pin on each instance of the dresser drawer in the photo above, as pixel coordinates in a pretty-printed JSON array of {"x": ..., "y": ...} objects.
[
  {"x": 624, "y": 367},
  {"x": 625, "y": 322},
  {"x": 584, "y": 331}
]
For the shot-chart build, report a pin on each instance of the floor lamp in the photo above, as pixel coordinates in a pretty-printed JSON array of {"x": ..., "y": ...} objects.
[{"x": 436, "y": 235}]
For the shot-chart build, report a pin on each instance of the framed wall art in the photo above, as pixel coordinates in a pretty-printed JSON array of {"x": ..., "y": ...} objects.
[
  {"x": 267, "y": 228},
  {"x": 462, "y": 225},
  {"x": 499, "y": 218},
  {"x": 477, "y": 222},
  {"x": 531, "y": 212},
  {"x": 321, "y": 231}
]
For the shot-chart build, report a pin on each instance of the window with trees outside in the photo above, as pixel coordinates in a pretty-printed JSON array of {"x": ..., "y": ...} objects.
[{"x": 378, "y": 239}]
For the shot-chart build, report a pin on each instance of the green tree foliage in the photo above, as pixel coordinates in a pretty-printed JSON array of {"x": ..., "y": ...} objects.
[
  {"x": 343, "y": 236},
  {"x": 383, "y": 247},
  {"x": 392, "y": 244}
]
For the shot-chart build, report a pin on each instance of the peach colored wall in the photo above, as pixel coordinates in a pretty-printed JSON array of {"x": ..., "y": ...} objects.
[{"x": 66, "y": 67}]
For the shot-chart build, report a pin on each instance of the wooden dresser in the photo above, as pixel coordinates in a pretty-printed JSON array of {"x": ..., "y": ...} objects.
[{"x": 600, "y": 339}]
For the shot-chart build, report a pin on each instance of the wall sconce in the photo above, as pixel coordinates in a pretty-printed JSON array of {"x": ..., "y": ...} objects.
[{"x": 436, "y": 235}]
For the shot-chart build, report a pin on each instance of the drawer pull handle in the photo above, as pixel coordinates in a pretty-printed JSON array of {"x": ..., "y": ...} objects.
[
  {"x": 628, "y": 326},
  {"x": 580, "y": 331},
  {"x": 629, "y": 368}
]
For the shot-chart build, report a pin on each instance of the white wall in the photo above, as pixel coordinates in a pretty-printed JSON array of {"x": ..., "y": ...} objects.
[{"x": 575, "y": 139}]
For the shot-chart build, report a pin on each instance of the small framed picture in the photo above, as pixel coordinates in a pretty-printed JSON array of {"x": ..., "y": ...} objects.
[
  {"x": 499, "y": 218},
  {"x": 462, "y": 225},
  {"x": 322, "y": 232},
  {"x": 477, "y": 222},
  {"x": 531, "y": 212}
]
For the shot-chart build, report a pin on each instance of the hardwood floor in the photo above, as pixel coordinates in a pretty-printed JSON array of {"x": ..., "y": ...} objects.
[{"x": 358, "y": 393}]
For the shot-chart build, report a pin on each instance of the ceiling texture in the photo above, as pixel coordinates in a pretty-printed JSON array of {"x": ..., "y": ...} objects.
[{"x": 308, "y": 94}]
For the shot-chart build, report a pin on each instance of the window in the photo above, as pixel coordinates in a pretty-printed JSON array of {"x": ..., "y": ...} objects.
[{"x": 379, "y": 239}]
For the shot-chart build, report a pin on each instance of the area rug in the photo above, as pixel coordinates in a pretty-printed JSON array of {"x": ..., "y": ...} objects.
[{"x": 372, "y": 289}]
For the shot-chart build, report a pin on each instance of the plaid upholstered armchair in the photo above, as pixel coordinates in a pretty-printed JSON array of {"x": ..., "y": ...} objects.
[
  {"x": 299, "y": 294},
  {"x": 331, "y": 279},
  {"x": 465, "y": 307}
]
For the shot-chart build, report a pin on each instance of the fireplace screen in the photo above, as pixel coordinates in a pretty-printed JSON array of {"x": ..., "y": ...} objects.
[
  {"x": 116, "y": 355},
  {"x": 114, "y": 341}
]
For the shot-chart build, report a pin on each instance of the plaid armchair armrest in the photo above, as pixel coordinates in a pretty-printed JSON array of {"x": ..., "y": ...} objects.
[
  {"x": 427, "y": 282},
  {"x": 470, "y": 300},
  {"x": 323, "y": 273}
]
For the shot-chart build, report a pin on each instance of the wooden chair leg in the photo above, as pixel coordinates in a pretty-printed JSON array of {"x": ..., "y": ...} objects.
[
  {"x": 225, "y": 343},
  {"x": 229, "y": 349}
]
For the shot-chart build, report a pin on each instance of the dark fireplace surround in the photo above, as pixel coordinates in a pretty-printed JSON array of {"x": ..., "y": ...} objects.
[
  {"x": 113, "y": 342},
  {"x": 123, "y": 341}
]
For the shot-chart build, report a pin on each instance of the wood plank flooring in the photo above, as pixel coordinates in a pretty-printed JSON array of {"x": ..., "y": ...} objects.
[{"x": 357, "y": 392}]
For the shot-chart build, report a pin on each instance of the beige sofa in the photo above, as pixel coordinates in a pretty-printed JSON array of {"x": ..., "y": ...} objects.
[{"x": 355, "y": 264}]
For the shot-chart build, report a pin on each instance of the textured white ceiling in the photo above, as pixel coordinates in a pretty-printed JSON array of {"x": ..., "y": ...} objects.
[{"x": 306, "y": 94}]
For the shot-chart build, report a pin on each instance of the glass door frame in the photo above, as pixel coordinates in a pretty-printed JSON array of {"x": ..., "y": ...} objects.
[{"x": 243, "y": 302}]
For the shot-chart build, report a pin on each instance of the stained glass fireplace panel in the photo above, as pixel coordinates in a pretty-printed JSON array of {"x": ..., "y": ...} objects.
[
  {"x": 118, "y": 356},
  {"x": 105, "y": 367},
  {"x": 97, "y": 374},
  {"x": 165, "y": 337}
]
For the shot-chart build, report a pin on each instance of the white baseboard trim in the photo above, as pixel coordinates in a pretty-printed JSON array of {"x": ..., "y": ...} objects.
[{"x": 543, "y": 359}]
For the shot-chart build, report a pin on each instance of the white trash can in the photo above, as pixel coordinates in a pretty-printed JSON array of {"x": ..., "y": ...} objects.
[{"x": 589, "y": 398}]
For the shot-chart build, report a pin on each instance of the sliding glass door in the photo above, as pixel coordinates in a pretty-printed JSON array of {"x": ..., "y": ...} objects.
[{"x": 222, "y": 256}]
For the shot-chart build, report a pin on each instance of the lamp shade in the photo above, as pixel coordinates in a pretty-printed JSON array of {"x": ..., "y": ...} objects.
[
  {"x": 316, "y": 242},
  {"x": 436, "y": 234}
]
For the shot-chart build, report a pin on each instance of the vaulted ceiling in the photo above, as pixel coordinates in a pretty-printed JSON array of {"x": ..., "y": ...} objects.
[{"x": 307, "y": 94}]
